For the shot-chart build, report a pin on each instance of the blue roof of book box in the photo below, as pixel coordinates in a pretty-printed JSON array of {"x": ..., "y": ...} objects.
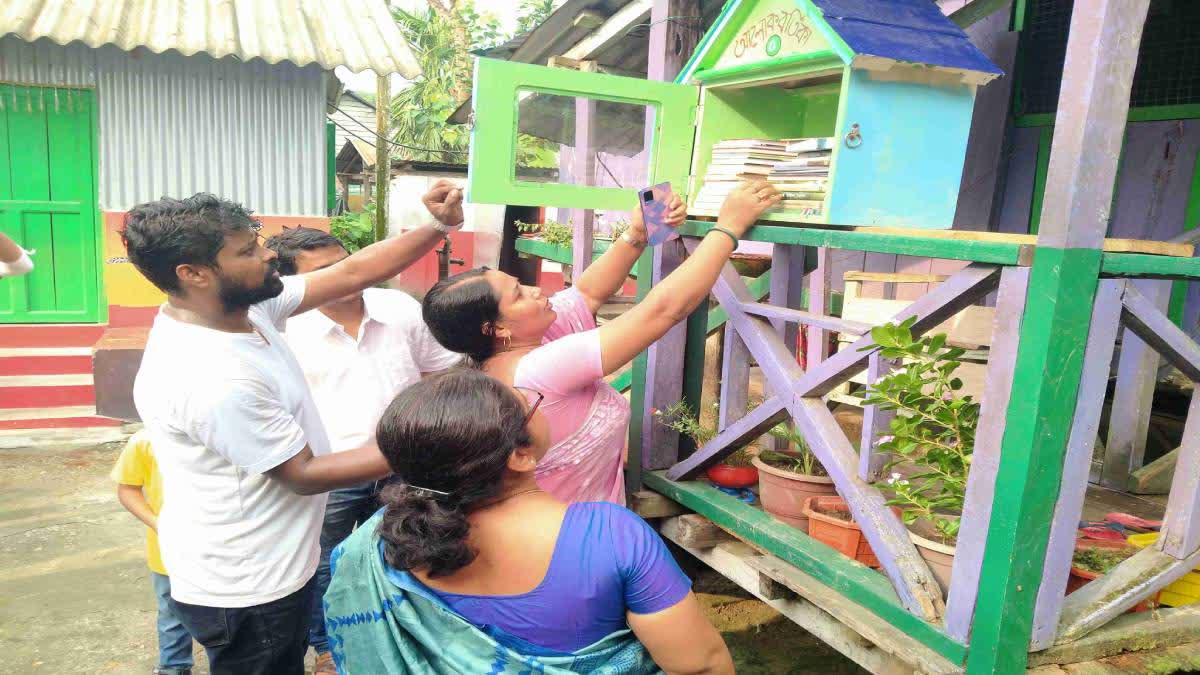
[{"x": 911, "y": 31}]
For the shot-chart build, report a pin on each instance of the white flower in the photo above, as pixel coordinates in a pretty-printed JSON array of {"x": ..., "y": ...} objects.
[
  {"x": 902, "y": 482},
  {"x": 892, "y": 480},
  {"x": 885, "y": 439}
]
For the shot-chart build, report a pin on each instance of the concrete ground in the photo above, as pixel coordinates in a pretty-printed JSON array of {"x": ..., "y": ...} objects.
[{"x": 75, "y": 594}]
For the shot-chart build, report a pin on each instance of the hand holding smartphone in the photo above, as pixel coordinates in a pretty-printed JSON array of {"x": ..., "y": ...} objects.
[{"x": 654, "y": 202}]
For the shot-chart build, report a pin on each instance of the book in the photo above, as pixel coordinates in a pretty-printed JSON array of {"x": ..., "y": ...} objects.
[{"x": 809, "y": 144}]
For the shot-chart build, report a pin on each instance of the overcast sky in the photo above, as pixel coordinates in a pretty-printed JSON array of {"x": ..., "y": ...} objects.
[{"x": 504, "y": 10}]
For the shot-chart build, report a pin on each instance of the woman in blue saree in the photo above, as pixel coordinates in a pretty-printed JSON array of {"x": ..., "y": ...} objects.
[{"x": 471, "y": 568}]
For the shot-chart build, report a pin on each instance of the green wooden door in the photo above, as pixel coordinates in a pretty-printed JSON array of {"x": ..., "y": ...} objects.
[
  {"x": 48, "y": 204},
  {"x": 544, "y": 102}
]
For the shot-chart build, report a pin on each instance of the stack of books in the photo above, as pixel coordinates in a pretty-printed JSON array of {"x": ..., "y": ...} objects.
[
  {"x": 734, "y": 162},
  {"x": 803, "y": 179},
  {"x": 797, "y": 167}
]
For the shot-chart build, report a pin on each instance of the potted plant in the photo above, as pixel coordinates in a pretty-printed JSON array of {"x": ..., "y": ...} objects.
[
  {"x": 787, "y": 478},
  {"x": 734, "y": 471},
  {"x": 552, "y": 232},
  {"x": 1094, "y": 559},
  {"x": 831, "y": 523},
  {"x": 931, "y": 439}
]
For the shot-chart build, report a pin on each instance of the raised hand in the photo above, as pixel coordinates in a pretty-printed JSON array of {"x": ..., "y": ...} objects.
[
  {"x": 745, "y": 204},
  {"x": 444, "y": 202}
]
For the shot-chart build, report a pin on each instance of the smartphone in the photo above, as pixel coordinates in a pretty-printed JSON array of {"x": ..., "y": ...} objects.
[{"x": 653, "y": 201}]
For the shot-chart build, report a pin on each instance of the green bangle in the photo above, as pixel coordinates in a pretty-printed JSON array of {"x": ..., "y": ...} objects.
[{"x": 727, "y": 233}]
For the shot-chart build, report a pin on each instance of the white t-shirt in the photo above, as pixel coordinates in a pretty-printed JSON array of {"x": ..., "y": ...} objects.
[
  {"x": 354, "y": 378},
  {"x": 221, "y": 409}
]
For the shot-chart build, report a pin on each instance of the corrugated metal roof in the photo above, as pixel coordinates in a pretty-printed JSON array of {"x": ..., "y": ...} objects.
[{"x": 357, "y": 34}]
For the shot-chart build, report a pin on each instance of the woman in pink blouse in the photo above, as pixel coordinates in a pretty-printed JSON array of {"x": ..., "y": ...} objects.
[{"x": 552, "y": 346}]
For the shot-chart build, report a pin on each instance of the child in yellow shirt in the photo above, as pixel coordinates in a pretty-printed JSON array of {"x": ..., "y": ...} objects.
[{"x": 139, "y": 489}]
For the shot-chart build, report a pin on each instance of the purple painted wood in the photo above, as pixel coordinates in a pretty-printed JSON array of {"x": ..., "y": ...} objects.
[
  {"x": 787, "y": 288},
  {"x": 1144, "y": 317},
  {"x": 1181, "y": 527},
  {"x": 949, "y": 298},
  {"x": 585, "y": 174},
  {"x": 1137, "y": 371},
  {"x": 915, "y": 585},
  {"x": 754, "y": 424},
  {"x": 735, "y": 378},
  {"x": 664, "y": 373},
  {"x": 789, "y": 315},
  {"x": 985, "y": 461},
  {"x": 670, "y": 44},
  {"x": 876, "y": 423},
  {"x": 1097, "y": 362},
  {"x": 819, "y": 283},
  {"x": 1130, "y": 582}
]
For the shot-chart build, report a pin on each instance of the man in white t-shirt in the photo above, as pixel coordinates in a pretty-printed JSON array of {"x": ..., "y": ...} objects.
[
  {"x": 244, "y": 456},
  {"x": 357, "y": 354},
  {"x": 14, "y": 260}
]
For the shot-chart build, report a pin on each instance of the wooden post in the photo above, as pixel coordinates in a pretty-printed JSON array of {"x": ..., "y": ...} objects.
[
  {"x": 735, "y": 378},
  {"x": 383, "y": 156},
  {"x": 1181, "y": 527},
  {"x": 671, "y": 43},
  {"x": 875, "y": 422},
  {"x": 787, "y": 290},
  {"x": 1093, "y": 103},
  {"x": 1133, "y": 398},
  {"x": 981, "y": 479},
  {"x": 1097, "y": 362},
  {"x": 818, "y": 303},
  {"x": 584, "y": 220}
]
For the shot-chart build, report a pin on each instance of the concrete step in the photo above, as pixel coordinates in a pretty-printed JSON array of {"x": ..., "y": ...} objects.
[
  {"x": 50, "y": 335},
  {"x": 45, "y": 361},
  {"x": 47, "y": 391}
]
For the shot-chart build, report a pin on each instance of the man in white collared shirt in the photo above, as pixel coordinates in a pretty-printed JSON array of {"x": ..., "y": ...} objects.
[{"x": 357, "y": 353}]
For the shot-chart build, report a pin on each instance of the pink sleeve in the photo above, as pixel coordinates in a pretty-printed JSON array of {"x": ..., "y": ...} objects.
[
  {"x": 565, "y": 365},
  {"x": 574, "y": 315}
]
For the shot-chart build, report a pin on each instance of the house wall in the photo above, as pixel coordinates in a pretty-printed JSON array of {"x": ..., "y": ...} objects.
[
  {"x": 358, "y": 118},
  {"x": 174, "y": 125}
]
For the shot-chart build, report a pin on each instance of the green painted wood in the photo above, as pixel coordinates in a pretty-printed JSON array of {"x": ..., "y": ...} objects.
[
  {"x": 1001, "y": 253},
  {"x": 75, "y": 254},
  {"x": 561, "y": 254},
  {"x": 794, "y": 64},
  {"x": 47, "y": 204},
  {"x": 1191, "y": 219},
  {"x": 977, "y": 11},
  {"x": 856, "y": 582},
  {"x": 492, "y": 175},
  {"x": 29, "y": 158},
  {"x": 1156, "y": 113},
  {"x": 1138, "y": 265},
  {"x": 331, "y": 151},
  {"x": 1039, "y": 178},
  {"x": 1047, "y": 373}
]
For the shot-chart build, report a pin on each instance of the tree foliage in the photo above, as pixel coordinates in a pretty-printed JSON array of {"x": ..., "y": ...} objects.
[{"x": 443, "y": 37}]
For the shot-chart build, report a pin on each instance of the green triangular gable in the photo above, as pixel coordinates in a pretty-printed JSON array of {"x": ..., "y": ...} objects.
[{"x": 762, "y": 31}]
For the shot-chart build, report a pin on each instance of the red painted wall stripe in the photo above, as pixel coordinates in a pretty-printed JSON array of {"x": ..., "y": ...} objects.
[
  {"x": 45, "y": 365},
  {"x": 47, "y": 397}
]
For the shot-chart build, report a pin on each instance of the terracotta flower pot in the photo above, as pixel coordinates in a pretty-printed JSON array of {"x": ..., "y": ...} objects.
[
  {"x": 783, "y": 493},
  {"x": 939, "y": 557},
  {"x": 841, "y": 534},
  {"x": 735, "y": 477},
  {"x": 1081, "y": 577}
]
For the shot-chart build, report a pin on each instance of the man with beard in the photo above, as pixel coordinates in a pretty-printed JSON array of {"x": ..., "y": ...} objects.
[{"x": 244, "y": 457}]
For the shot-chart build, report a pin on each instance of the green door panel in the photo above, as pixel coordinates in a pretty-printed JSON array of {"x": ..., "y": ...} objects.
[
  {"x": 48, "y": 204},
  {"x": 500, "y": 88}
]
